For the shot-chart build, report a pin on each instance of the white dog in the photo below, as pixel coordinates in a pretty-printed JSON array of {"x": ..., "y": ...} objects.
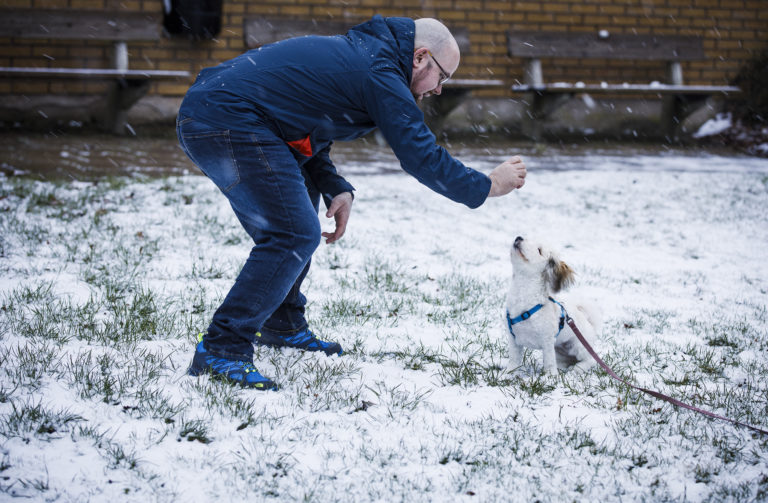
[{"x": 535, "y": 319}]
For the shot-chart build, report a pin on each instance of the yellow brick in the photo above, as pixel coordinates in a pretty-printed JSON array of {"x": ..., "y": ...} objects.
[
  {"x": 539, "y": 18},
  {"x": 237, "y": 44},
  {"x": 262, "y": 9},
  {"x": 743, "y": 34},
  {"x": 452, "y": 15},
  {"x": 176, "y": 65},
  {"x": 466, "y": 5},
  {"x": 29, "y": 86},
  {"x": 652, "y": 21},
  {"x": 18, "y": 4},
  {"x": 55, "y": 51},
  {"x": 326, "y": 11},
  {"x": 152, "y": 5},
  {"x": 611, "y": 9},
  {"x": 157, "y": 53},
  {"x": 569, "y": 19},
  {"x": 172, "y": 88},
  {"x": 232, "y": 21},
  {"x": 15, "y": 51},
  {"x": 477, "y": 60},
  {"x": 436, "y": 4},
  {"x": 556, "y": 8},
  {"x": 35, "y": 62},
  {"x": 67, "y": 87},
  {"x": 597, "y": 20},
  {"x": 127, "y": 5},
  {"x": 754, "y": 45},
  {"x": 295, "y": 10},
  {"x": 583, "y": 9},
  {"x": 511, "y": 17},
  {"x": 556, "y": 27},
  {"x": 755, "y": 24},
  {"x": 710, "y": 76},
  {"x": 227, "y": 54},
  {"x": 518, "y": 6},
  {"x": 93, "y": 87},
  {"x": 480, "y": 16},
  {"x": 360, "y": 13},
  {"x": 481, "y": 38},
  {"x": 89, "y": 52},
  {"x": 719, "y": 13},
  {"x": 668, "y": 12},
  {"x": 623, "y": 21},
  {"x": 727, "y": 64},
  {"x": 231, "y": 8},
  {"x": 50, "y": 4},
  {"x": 89, "y": 4}
]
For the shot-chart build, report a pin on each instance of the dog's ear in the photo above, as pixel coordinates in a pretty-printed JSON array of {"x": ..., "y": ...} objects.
[{"x": 558, "y": 275}]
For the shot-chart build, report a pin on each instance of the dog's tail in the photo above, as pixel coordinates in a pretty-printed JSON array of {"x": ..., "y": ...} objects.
[{"x": 593, "y": 314}]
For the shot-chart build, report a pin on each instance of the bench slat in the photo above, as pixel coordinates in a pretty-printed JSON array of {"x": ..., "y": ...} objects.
[
  {"x": 474, "y": 83},
  {"x": 95, "y": 73},
  {"x": 267, "y": 30},
  {"x": 625, "y": 89},
  {"x": 535, "y": 44},
  {"x": 74, "y": 24}
]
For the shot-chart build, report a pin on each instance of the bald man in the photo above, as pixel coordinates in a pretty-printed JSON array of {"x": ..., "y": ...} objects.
[{"x": 260, "y": 126}]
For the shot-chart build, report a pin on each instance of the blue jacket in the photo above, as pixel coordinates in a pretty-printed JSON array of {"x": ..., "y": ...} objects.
[{"x": 314, "y": 90}]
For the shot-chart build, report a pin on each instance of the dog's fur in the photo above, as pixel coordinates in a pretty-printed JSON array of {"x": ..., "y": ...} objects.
[{"x": 537, "y": 274}]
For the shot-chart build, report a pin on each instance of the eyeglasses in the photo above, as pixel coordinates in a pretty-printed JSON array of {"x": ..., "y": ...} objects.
[{"x": 444, "y": 76}]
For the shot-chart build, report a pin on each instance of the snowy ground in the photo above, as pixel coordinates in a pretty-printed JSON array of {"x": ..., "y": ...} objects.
[{"x": 105, "y": 285}]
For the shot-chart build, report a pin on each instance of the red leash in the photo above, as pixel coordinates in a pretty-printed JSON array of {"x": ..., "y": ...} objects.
[{"x": 656, "y": 394}]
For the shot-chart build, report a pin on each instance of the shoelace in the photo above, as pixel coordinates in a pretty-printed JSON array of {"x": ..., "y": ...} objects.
[{"x": 303, "y": 338}]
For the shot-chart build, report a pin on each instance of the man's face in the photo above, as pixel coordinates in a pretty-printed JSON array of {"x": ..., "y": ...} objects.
[{"x": 428, "y": 76}]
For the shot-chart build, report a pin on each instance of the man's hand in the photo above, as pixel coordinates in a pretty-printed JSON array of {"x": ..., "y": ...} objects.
[
  {"x": 507, "y": 176},
  {"x": 341, "y": 207}
]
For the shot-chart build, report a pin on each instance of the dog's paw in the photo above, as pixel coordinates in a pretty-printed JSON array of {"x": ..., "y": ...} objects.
[
  {"x": 515, "y": 370},
  {"x": 583, "y": 366},
  {"x": 551, "y": 371}
]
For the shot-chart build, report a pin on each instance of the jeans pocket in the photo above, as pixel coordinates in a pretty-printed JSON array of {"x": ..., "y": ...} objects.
[{"x": 211, "y": 150}]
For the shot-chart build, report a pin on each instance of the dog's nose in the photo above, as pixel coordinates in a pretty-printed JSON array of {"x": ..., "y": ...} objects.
[{"x": 518, "y": 240}]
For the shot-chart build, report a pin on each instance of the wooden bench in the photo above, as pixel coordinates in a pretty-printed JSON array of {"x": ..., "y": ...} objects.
[
  {"x": 544, "y": 98},
  {"x": 266, "y": 30},
  {"x": 117, "y": 27}
]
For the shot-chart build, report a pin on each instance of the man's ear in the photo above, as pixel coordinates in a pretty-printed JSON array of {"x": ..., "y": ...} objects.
[{"x": 419, "y": 56}]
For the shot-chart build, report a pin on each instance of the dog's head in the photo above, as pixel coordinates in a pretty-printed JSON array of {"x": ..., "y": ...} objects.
[{"x": 534, "y": 260}]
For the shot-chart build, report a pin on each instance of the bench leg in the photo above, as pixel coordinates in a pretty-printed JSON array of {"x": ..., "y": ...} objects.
[
  {"x": 122, "y": 95},
  {"x": 541, "y": 106},
  {"x": 437, "y": 109},
  {"x": 674, "y": 111}
]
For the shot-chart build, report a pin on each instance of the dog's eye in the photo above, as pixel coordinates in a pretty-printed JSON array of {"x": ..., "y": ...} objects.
[{"x": 539, "y": 251}]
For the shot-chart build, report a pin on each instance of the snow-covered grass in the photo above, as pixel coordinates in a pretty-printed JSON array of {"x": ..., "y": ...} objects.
[{"x": 106, "y": 285}]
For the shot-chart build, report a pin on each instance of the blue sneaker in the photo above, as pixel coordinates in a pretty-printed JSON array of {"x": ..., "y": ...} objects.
[
  {"x": 233, "y": 371},
  {"x": 303, "y": 340}
]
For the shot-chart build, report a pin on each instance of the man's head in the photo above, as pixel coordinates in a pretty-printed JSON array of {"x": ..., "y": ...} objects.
[{"x": 435, "y": 57}]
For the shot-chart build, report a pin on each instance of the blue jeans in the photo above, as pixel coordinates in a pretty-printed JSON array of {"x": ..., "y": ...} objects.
[{"x": 276, "y": 203}]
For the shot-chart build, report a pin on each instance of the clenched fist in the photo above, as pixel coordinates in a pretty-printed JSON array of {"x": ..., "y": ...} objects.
[{"x": 507, "y": 176}]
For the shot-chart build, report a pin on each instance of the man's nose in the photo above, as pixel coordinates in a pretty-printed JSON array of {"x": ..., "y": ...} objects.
[{"x": 438, "y": 89}]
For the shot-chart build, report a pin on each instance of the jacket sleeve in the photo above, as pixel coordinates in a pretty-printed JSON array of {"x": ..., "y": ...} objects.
[
  {"x": 324, "y": 176},
  {"x": 391, "y": 105}
]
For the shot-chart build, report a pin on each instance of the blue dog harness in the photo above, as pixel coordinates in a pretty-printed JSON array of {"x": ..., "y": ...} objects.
[{"x": 527, "y": 314}]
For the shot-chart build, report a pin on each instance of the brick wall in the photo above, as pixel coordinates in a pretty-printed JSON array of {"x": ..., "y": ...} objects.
[{"x": 731, "y": 30}]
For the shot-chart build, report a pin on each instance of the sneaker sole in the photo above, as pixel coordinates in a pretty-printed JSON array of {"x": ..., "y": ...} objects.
[
  {"x": 279, "y": 344},
  {"x": 261, "y": 386}
]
